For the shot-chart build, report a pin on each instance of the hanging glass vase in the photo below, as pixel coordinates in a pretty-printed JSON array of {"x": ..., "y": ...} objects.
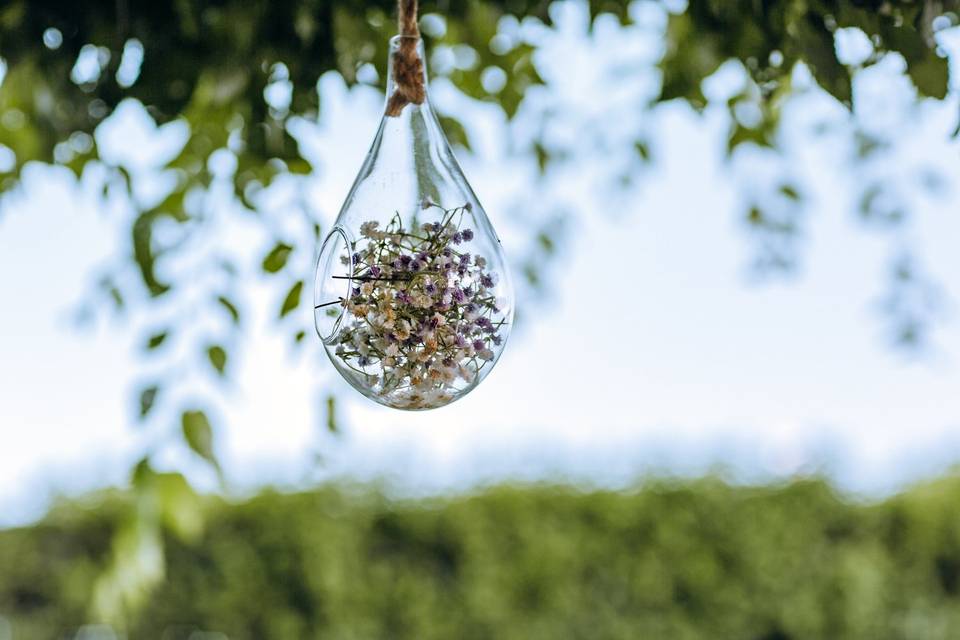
[{"x": 413, "y": 299}]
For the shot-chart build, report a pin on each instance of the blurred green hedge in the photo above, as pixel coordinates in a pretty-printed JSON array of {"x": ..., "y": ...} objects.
[{"x": 697, "y": 559}]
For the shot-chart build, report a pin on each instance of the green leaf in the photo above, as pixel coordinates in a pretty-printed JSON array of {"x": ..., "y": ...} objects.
[
  {"x": 277, "y": 258},
  {"x": 818, "y": 50},
  {"x": 741, "y": 135},
  {"x": 546, "y": 243},
  {"x": 156, "y": 340},
  {"x": 180, "y": 506},
  {"x": 643, "y": 149},
  {"x": 789, "y": 191},
  {"x": 143, "y": 253},
  {"x": 455, "y": 131},
  {"x": 298, "y": 166},
  {"x": 930, "y": 75},
  {"x": 148, "y": 397},
  {"x": 142, "y": 474},
  {"x": 199, "y": 435},
  {"x": 230, "y": 307},
  {"x": 543, "y": 156},
  {"x": 332, "y": 414},
  {"x": 292, "y": 300},
  {"x": 218, "y": 358}
]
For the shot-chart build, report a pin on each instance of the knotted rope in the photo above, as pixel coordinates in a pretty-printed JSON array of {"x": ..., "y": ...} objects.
[{"x": 407, "y": 65}]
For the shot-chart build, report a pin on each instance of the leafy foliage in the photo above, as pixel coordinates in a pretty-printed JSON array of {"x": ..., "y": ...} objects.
[
  {"x": 213, "y": 67},
  {"x": 199, "y": 435},
  {"x": 237, "y": 75},
  {"x": 698, "y": 559}
]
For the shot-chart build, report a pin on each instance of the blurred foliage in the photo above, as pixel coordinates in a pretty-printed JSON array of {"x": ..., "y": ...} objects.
[
  {"x": 697, "y": 559},
  {"x": 237, "y": 74}
]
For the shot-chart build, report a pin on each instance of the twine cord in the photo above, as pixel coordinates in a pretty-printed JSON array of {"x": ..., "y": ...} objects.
[{"x": 406, "y": 62}]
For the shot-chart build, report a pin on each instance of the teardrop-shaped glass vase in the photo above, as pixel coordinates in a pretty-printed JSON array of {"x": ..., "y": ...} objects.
[{"x": 413, "y": 299}]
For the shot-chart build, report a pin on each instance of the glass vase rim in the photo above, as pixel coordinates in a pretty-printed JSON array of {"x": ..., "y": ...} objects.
[{"x": 398, "y": 37}]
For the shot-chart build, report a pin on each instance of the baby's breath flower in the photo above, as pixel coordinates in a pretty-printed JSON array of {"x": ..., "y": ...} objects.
[
  {"x": 422, "y": 323},
  {"x": 369, "y": 229}
]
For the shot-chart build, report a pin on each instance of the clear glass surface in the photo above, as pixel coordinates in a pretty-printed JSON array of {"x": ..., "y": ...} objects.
[{"x": 413, "y": 299}]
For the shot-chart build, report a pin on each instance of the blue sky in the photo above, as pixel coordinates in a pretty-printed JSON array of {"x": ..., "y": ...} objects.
[{"x": 680, "y": 363}]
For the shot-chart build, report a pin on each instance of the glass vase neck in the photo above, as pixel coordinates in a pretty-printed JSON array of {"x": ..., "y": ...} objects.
[{"x": 406, "y": 75}]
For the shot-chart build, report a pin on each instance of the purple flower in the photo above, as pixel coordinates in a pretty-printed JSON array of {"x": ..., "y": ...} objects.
[
  {"x": 436, "y": 227},
  {"x": 430, "y": 288},
  {"x": 363, "y": 361},
  {"x": 457, "y": 238},
  {"x": 465, "y": 259},
  {"x": 467, "y": 235},
  {"x": 487, "y": 280},
  {"x": 406, "y": 260},
  {"x": 397, "y": 264},
  {"x": 482, "y": 322},
  {"x": 458, "y": 294},
  {"x": 356, "y": 258},
  {"x": 447, "y": 252},
  {"x": 447, "y": 362},
  {"x": 496, "y": 339},
  {"x": 416, "y": 265},
  {"x": 403, "y": 297},
  {"x": 434, "y": 322},
  {"x": 460, "y": 341},
  {"x": 356, "y": 291},
  {"x": 375, "y": 272},
  {"x": 479, "y": 345}
]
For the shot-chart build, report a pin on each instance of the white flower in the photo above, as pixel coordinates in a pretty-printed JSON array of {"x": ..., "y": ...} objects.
[
  {"x": 366, "y": 288},
  {"x": 485, "y": 354},
  {"x": 435, "y": 397},
  {"x": 402, "y": 330},
  {"x": 369, "y": 229},
  {"x": 480, "y": 261}
]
